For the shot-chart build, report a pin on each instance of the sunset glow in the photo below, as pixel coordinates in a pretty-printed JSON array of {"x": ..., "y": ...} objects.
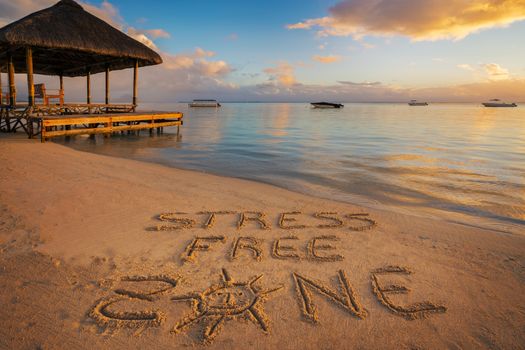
[{"x": 459, "y": 51}]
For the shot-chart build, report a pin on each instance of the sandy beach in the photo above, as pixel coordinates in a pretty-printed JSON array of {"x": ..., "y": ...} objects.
[{"x": 102, "y": 252}]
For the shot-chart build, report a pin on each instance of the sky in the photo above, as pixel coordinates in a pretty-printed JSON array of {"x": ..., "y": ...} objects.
[{"x": 299, "y": 51}]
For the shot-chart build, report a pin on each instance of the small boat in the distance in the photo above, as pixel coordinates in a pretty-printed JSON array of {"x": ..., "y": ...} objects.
[
  {"x": 498, "y": 103},
  {"x": 326, "y": 105},
  {"x": 204, "y": 103},
  {"x": 417, "y": 103}
]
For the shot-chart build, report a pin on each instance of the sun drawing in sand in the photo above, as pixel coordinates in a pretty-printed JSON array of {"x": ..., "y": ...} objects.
[{"x": 228, "y": 300}]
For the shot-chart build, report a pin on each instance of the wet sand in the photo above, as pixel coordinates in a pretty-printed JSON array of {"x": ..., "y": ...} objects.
[{"x": 102, "y": 252}]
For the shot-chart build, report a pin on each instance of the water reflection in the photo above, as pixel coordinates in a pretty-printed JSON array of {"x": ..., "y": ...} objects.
[
  {"x": 275, "y": 122},
  {"x": 456, "y": 158}
]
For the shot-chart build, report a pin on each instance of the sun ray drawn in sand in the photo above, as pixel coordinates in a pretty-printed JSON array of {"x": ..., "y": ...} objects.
[{"x": 228, "y": 300}]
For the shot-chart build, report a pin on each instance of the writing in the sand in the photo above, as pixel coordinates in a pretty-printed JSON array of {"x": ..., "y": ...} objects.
[
  {"x": 292, "y": 220},
  {"x": 229, "y": 299},
  {"x": 317, "y": 248},
  {"x": 232, "y": 300}
]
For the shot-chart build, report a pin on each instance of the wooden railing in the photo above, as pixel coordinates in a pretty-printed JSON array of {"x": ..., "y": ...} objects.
[{"x": 81, "y": 108}]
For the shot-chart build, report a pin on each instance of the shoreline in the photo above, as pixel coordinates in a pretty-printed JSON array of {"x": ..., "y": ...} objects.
[
  {"x": 76, "y": 227},
  {"x": 490, "y": 221}
]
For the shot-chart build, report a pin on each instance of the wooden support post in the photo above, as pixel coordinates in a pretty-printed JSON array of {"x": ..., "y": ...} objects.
[
  {"x": 107, "y": 85},
  {"x": 61, "y": 91},
  {"x": 30, "y": 90},
  {"x": 68, "y": 127},
  {"x": 88, "y": 86},
  {"x": 135, "y": 87},
  {"x": 30, "y": 83},
  {"x": 43, "y": 130},
  {"x": 12, "y": 86},
  {"x": 1, "y": 93},
  {"x": 88, "y": 89}
]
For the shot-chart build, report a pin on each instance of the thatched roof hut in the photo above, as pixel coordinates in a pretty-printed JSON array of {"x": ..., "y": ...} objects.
[{"x": 66, "y": 40}]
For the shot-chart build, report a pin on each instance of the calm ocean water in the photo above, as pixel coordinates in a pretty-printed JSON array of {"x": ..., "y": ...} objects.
[{"x": 463, "y": 162}]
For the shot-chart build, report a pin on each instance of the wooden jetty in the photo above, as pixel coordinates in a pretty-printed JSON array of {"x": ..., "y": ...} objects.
[{"x": 64, "y": 40}]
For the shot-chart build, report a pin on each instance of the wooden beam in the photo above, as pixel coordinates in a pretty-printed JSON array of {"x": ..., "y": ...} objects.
[
  {"x": 107, "y": 85},
  {"x": 135, "y": 78},
  {"x": 104, "y": 129},
  {"x": 1, "y": 93},
  {"x": 12, "y": 86},
  {"x": 52, "y": 121},
  {"x": 88, "y": 87},
  {"x": 30, "y": 82},
  {"x": 61, "y": 77}
]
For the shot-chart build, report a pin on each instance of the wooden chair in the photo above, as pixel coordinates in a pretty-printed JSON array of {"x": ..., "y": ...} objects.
[{"x": 41, "y": 92}]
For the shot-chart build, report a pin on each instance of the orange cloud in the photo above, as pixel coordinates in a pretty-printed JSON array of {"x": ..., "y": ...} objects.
[
  {"x": 496, "y": 72},
  {"x": 466, "y": 67},
  {"x": 492, "y": 71},
  {"x": 13, "y": 10},
  {"x": 203, "y": 53},
  {"x": 417, "y": 19},
  {"x": 196, "y": 63},
  {"x": 326, "y": 59},
  {"x": 283, "y": 73},
  {"x": 142, "y": 37},
  {"x": 157, "y": 33}
]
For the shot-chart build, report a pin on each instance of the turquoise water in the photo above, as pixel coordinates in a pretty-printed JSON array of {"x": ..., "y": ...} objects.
[{"x": 462, "y": 162}]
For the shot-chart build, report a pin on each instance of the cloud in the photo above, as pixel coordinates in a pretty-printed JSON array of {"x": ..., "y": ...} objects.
[
  {"x": 365, "y": 83},
  {"x": 181, "y": 76},
  {"x": 13, "y": 10},
  {"x": 203, "y": 53},
  {"x": 283, "y": 74},
  {"x": 495, "y": 71},
  {"x": 416, "y": 19},
  {"x": 157, "y": 33},
  {"x": 466, "y": 67},
  {"x": 327, "y": 59},
  {"x": 510, "y": 89},
  {"x": 141, "y": 37},
  {"x": 158, "y": 84},
  {"x": 196, "y": 62},
  {"x": 146, "y": 36},
  {"x": 492, "y": 71},
  {"x": 106, "y": 11}
]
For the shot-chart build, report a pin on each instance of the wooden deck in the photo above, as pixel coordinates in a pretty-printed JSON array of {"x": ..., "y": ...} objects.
[
  {"x": 70, "y": 125},
  {"x": 77, "y": 119}
]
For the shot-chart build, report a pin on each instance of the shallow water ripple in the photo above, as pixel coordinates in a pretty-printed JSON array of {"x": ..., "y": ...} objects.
[{"x": 459, "y": 161}]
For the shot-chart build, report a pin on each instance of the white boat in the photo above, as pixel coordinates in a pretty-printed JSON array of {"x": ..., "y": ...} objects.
[
  {"x": 326, "y": 105},
  {"x": 204, "y": 103},
  {"x": 417, "y": 103},
  {"x": 498, "y": 103}
]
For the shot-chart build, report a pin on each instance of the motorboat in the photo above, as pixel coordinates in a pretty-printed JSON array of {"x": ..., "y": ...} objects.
[
  {"x": 326, "y": 105},
  {"x": 498, "y": 103},
  {"x": 417, "y": 103},
  {"x": 204, "y": 103}
]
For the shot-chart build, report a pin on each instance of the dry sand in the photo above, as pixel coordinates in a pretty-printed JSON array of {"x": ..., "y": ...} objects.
[{"x": 90, "y": 257}]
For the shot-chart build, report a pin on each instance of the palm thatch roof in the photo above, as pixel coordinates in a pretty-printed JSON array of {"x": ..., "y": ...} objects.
[{"x": 67, "y": 40}]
